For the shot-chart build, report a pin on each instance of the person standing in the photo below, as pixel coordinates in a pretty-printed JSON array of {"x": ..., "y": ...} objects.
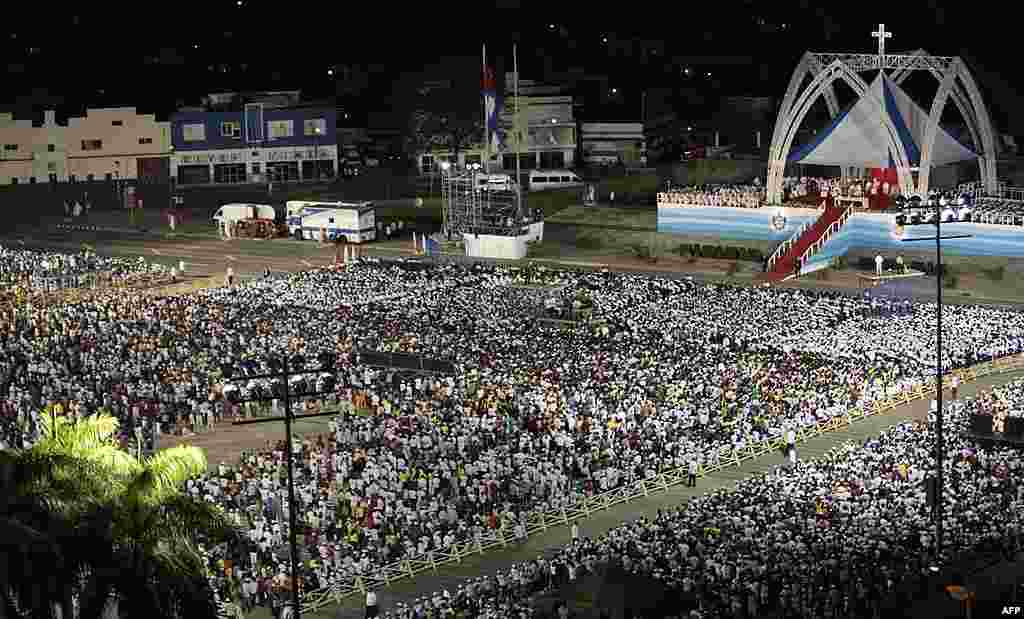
[
  {"x": 879, "y": 261},
  {"x": 575, "y": 532},
  {"x": 954, "y": 386},
  {"x": 231, "y": 276},
  {"x": 691, "y": 477},
  {"x": 371, "y": 604}
]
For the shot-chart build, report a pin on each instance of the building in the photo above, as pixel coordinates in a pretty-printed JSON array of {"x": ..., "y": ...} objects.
[
  {"x": 254, "y": 143},
  {"x": 613, "y": 143},
  {"x": 117, "y": 143},
  {"x": 547, "y": 122},
  {"x": 105, "y": 144}
]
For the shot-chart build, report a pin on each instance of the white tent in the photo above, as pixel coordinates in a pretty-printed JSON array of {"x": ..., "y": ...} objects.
[{"x": 857, "y": 138}]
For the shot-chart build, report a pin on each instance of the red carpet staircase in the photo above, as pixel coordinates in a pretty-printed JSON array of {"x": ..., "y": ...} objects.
[{"x": 783, "y": 263}]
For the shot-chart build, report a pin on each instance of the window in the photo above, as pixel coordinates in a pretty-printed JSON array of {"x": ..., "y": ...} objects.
[
  {"x": 14, "y": 180},
  {"x": 89, "y": 177},
  {"x": 32, "y": 180},
  {"x": 566, "y": 179},
  {"x": 92, "y": 144},
  {"x": 427, "y": 163},
  {"x": 280, "y": 129},
  {"x": 255, "y": 154},
  {"x": 53, "y": 178},
  {"x": 194, "y": 132},
  {"x": 72, "y": 179},
  {"x": 255, "y": 168},
  {"x": 330, "y": 220},
  {"x": 145, "y": 140},
  {"x": 10, "y": 147},
  {"x": 310, "y": 126},
  {"x": 540, "y": 179},
  {"x": 117, "y": 123},
  {"x": 51, "y": 166},
  {"x": 50, "y": 148},
  {"x": 230, "y": 129}
]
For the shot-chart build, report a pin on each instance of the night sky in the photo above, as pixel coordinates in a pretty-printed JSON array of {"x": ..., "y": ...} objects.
[{"x": 111, "y": 54}]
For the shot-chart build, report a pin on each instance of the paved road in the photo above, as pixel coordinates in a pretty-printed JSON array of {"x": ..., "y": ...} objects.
[{"x": 450, "y": 577}]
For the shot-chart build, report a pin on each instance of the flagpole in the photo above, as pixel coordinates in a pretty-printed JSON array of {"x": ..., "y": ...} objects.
[
  {"x": 487, "y": 137},
  {"x": 516, "y": 125}
]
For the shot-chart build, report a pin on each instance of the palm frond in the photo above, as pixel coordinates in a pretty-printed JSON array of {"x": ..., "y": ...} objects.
[{"x": 168, "y": 470}]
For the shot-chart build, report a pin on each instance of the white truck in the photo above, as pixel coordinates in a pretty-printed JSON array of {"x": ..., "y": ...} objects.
[
  {"x": 353, "y": 221},
  {"x": 233, "y": 213}
]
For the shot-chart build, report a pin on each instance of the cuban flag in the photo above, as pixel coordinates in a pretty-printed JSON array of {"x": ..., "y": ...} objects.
[{"x": 489, "y": 90}]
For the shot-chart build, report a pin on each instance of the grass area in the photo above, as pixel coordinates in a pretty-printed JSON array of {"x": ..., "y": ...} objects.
[
  {"x": 637, "y": 183},
  {"x": 607, "y": 216}
]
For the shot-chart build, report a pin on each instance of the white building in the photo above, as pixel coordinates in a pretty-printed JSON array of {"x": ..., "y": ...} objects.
[{"x": 611, "y": 143}]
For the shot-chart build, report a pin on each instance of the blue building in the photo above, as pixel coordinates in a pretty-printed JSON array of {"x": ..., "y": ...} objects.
[{"x": 255, "y": 144}]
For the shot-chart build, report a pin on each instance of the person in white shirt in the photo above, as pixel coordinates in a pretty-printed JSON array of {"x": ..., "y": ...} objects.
[
  {"x": 371, "y": 604},
  {"x": 879, "y": 261}
]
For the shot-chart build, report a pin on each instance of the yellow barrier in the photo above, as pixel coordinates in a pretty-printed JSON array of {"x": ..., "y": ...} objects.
[{"x": 407, "y": 569}]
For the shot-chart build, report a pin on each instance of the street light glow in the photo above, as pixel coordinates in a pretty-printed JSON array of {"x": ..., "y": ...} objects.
[{"x": 330, "y": 71}]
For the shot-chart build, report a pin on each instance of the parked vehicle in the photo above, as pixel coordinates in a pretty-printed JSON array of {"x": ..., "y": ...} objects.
[
  {"x": 230, "y": 213},
  {"x": 540, "y": 180},
  {"x": 352, "y": 222}
]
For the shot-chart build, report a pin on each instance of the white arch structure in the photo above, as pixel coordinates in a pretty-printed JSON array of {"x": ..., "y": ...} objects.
[{"x": 955, "y": 82}]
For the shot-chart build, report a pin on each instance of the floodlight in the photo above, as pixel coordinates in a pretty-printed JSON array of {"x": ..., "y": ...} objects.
[{"x": 445, "y": 165}]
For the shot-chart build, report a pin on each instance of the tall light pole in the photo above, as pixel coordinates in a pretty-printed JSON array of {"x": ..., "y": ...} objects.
[
  {"x": 284, "y": 375},
  {"x": 316, "y": 151},
  {"x": 937, "y": 508},
  {"x": 445, "y": 166}
]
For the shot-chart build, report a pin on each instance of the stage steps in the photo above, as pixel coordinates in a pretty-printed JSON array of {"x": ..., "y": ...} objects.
[{"x": 810, "y": 240}]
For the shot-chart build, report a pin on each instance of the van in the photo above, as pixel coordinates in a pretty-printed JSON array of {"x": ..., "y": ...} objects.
[
  {"x": 238, "y": 212},
  {"x": 540, "y": 180},
  {"x": 494, "y": 182}
]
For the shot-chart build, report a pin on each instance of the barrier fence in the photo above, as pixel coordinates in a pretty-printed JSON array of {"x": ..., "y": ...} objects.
[{"x": 542, "y": 520}]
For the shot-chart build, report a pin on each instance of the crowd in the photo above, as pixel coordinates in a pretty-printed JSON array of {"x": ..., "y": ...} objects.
[
  {"x": 31, "y": 266},
  {"x": 669, "y": 373},
  {"x": 832, "y": 538},
  {"x": 743, "y": 196}
]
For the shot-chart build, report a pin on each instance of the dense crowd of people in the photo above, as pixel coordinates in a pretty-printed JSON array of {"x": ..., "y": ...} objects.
[
  {"x": 831, "y": 538},
  {"x": 741, "y": 196},
  {"x": 34, "y": 267},
  {"x": 667, "y": 374}
]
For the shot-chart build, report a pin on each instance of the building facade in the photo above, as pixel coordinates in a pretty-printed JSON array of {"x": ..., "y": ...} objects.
[
  {"x": 254, "y": 144},
  {"x": 105, "y": 144},
  {"x": 546, "y": 125},
  {"x": 613, "y": 143}
]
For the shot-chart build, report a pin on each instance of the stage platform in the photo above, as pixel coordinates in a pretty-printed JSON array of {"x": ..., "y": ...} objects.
[
  {"x": 865, "y": 231},
  {"x": 872, "y": 278}
]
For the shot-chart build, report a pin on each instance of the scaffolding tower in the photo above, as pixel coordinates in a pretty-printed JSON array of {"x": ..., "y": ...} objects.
[{"x": 469, "y": 208}]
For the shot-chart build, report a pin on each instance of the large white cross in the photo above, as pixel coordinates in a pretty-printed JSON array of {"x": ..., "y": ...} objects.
[{"x": 881, "y": 35}]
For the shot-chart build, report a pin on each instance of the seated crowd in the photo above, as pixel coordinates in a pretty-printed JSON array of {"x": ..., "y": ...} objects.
[
  {"x": 20, "y": 265},
  {"x": 535, "y": 417},
  {"x": 998, "y": 211},
  {"x": 835, "y": 537},
  {"x": 795, "y": 188},
  {"x": 744, "y": 196}
]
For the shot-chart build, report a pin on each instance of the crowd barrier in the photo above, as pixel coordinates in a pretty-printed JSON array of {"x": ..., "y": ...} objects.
[{"x": 540, "y": 521}]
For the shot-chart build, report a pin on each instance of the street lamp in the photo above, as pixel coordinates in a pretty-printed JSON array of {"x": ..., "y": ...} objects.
[
  {"x": 316, "y": 151},
  {"x": 940, "y": 447},
  {"x": 284, "y": 375}
]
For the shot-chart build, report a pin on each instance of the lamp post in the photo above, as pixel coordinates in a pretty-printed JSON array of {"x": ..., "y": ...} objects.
[
  {"x": 284, "y": 375},
  {"x": 316, "y": 152},
  {"x": 937, "y": 508},
  {"x": 445, "y": 166}
]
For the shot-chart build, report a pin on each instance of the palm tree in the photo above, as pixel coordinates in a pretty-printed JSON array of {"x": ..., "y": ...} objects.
[{"x": 114, "y": 527}]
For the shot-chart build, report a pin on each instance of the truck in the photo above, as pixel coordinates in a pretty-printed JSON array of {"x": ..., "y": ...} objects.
[
  {"x": 353, "y": 222},
  {"x": 233, "y": 213}
]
